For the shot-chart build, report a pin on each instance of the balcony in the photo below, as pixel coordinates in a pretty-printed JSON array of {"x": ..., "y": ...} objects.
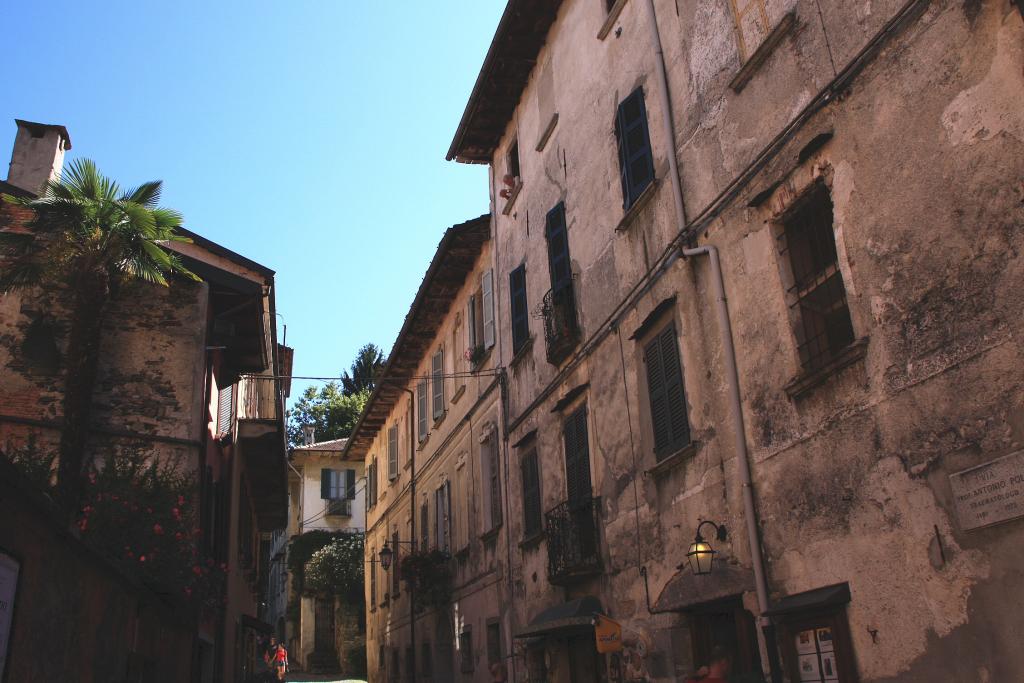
[
  {"x": 258, "y": 398},
  {"x": 339, "y": 508},
  {"x": 561, "y": 329},
  {"x": 573, "y": 531}
]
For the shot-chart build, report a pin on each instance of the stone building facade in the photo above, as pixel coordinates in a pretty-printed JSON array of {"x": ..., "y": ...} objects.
[
  {"x": 188, "y": 374},
  {"x": 431, "y": 438},
  {"x": 850, "y": 174}
]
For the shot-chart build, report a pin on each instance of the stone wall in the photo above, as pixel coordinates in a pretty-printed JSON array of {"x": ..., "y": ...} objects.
[{"x": 921, "y": 154}]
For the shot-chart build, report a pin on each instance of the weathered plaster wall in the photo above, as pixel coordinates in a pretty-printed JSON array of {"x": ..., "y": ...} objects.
[{"x": 852, "y": 477}]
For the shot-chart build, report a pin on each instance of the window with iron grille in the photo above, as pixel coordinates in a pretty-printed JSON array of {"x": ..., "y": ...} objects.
[
  {"x": 437, "y": 384},
  {"x": 636, "y": 164},
  {"x": 422, "y": 423},
  {"x": 666, "y": 392},
  {"x": 520, "y": 314},
  {"x": 493, "y": 641},
  {"x": 818, "y": 294},
  {"x": 531, "y": 494},
  {"x": 393, "y": 452},
  {"x": 466, "y": 650}
]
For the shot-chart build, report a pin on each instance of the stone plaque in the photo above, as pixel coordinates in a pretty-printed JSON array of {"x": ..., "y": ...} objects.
[{"x": 990, "y": 493}]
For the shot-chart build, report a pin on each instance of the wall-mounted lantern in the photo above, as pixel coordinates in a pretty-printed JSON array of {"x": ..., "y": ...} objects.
[{"x": 701, "y": 555}]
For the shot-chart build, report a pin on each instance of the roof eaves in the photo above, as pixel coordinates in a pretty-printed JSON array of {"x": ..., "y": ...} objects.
[{"x": 450, "y": 236}]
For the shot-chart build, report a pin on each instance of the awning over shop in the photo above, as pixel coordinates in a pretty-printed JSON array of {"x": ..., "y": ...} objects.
[
  {"x": 819, "y": 598},
  {"x": 686, "y": 590},
  {"x": 568, "y": 617},
  {"x": 246, "y": 621}
]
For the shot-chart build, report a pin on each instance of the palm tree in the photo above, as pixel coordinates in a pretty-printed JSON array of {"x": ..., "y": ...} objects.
[
  {"x": 364, "y": 370},
  {"x": 87, "y": 237}
]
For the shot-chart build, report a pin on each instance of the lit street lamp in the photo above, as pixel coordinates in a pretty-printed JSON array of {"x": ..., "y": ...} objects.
[{"x": 701, "y": 555}]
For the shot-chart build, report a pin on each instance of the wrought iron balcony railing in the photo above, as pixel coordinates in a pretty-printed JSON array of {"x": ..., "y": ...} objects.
[
  {"x": 339, "y": 508},
  {"x": 561, "y": 328},
  {"x": 573, "y": 539}
]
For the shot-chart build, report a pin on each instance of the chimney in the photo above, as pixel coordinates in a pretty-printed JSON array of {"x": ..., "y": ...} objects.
[
  {"x": 38, "y": 155},
  {"x": 308, "y": 434}
]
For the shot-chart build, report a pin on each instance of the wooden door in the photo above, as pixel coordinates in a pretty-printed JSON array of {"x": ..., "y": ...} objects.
[{"x": 323, "y": 633}]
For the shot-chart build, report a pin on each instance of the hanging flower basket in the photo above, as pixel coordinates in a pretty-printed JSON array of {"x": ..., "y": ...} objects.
[{"x": 429, "y": 574}]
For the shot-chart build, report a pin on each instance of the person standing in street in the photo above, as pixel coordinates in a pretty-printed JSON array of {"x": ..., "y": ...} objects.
[
  {"x": 281, "y": 661},
  {"x": 716, "y": 670}
]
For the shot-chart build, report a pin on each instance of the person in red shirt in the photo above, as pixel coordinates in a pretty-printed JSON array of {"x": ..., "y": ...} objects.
[
  {"x": 281, "y": 661},
  {"x": 716, "y": 670}
]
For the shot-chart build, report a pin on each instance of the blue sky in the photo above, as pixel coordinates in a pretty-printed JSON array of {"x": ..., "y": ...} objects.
[{"x": 307, "y": 135}]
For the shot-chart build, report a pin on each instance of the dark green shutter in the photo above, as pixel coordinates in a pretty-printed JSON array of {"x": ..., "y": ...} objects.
[
  {"x": 325, "y": 484},
  {"x": 350, "y": 484},
  {"x": 577, "y": 456},
  {"x": 421, "y": 407},
  {"x": 558, "y": 247},
  {"x": 520, "y": 316},
  {"x": 531, "y": 494},
  {"x": 636, "y": 163},
  {"x": 667, "y": 393}
]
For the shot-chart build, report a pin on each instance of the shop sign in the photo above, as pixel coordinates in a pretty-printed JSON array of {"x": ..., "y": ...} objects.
[
  {"x": 990, "y": 493},
  {"x": 608, "y": 634}
]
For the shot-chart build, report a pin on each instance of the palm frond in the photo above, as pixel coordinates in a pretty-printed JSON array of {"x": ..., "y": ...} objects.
[
  {"x": 167, "y": 219},
  {"x": 146, "y": 194},
  {"x": 19, "y": 274},
  {"x": 179, "y": 268},
  {"x": 142, "y": 269}
]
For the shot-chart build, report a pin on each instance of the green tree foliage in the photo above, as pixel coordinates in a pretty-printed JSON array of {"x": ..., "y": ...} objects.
[
  {"x": 362, "y": 374},
  {"x": 337, "y": 568},
  {"x": 331, "y": 411},
  {"x": 88, "y": 237}
]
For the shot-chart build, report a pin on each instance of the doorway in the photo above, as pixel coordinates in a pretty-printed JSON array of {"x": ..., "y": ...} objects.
[
  {"x": 586, "y": 665},
  {"x": 323, "y": 633},
  {"x": 727, "y": 625}
]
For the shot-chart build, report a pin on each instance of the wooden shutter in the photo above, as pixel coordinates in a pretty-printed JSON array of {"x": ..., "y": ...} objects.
[
  {"x": 557, "y": 236},
  {"x": 636, "y": 163},
  {"x": 447, "y": 514},
  {"x": 225, "y": 409},
  {"x": 325, "y": 484},
  {"x": 520, "y": 316},
  {"x": 531, "y": 494},
  {"x": 392, "y": 451},
  {"x": 577, "y": 456},
  {"x": 350, "y": 484},
  {"x": 471, "y": 322},
  {"x": 437, "y": 382},
  {"x": 421, "y": 408},
  {"x": 425, "y": 526},
  {"x": 495, "y": 476},
  {"x": 487, "y": 287},
  {"x": 667, "y": 394}
]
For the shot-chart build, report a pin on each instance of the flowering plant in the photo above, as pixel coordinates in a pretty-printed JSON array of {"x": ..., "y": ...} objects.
[
  {"x": 429, "y": 573},
  {"x": 141, "y": 514}
]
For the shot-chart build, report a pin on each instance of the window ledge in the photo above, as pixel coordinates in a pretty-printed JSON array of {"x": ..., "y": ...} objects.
[
  {"x": 638, "y": 205},
  {"x": 477, "y": 366},
  {"x": 673, "y": 461},
  {"x": 440, "y": 418},
  {"x": 613, "y": 16},
  {"x": 546, "y": 135},
  {"x": 458, "y": 394},
  {"x": 804, "y": 382},
  {"x": 512, "y": 198},
  {"x": 462, "y": 553},
  {"x": 522, "y": 352},
  {"x": 423, "y": 443},
  {"x": 761, "y": 54},
  {"x": 490, "y": 535},
  {"x": 531, "y": 541}
]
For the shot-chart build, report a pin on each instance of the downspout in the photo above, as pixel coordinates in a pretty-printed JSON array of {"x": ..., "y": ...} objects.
[
  {"x": 732, "y": 374},
  {"x": 667, "y": 124},
  {"x": 412, "y": 520},
  {"x": 742, "y": 456}
]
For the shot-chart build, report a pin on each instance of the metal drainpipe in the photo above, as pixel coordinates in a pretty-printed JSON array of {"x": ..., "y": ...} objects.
[
  {"x": 742, "y": 456},
  {"x": 732, "y": 375},
  {"x": 412, "y": 520},
  {"x": 668, "y": 127}
]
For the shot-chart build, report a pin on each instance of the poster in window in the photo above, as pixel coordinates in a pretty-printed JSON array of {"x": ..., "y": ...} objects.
[
  {"x": 809, "y": 669},
  {"x": 829, "y": 669},
  {"x": 825, "y": 639},
  {"x": 9, "y": 568},
  {"x": 805, "y": 642}
]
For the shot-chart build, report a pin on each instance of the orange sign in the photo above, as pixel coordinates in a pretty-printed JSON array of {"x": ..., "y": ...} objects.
[{"x": 607, "y": 633}]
